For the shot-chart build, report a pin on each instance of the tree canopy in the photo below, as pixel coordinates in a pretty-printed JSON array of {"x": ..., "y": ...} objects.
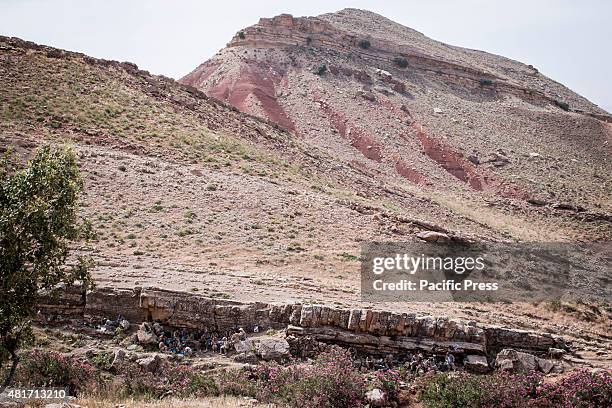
[{"x": 39, "y": 219}]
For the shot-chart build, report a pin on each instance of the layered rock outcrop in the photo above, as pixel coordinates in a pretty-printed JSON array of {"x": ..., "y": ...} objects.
[{"x": 371, "y": 331}]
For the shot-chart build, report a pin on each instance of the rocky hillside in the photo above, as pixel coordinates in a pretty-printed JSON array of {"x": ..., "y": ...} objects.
[
  {"x": 186, "y": 192},
  {"x": 489, "y": 138},
  {"x": 344, "y": 137}
]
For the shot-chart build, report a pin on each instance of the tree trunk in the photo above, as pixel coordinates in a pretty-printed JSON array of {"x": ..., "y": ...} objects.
[{"x": 9, "y": 378}]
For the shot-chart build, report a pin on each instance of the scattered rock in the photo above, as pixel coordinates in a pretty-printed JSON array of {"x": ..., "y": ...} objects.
[
  {"x": 119, "y": 356},
  {"x": 568, "y": 207},
  {"x": 438, "y": 110},
  {"x": 544, "y": 365},
  {"x": 134, "y": 347},
  {"x": 433, "y": 236},
  {"x": 383, "y": 73},
  {"x": 367, "y": 95},
  {"x": 474, "y": 159},
  {"x": 556, "y": 353},
  {"x": 246, "y": 358},
  {"x": 151, "y": 364},
  {"x": 124, "y": 324},
  {"x": 376, "y": 397},
  {"x": 383, "y": 90},
  {"x": 476, "y": 364},
  {"x": 500, "y": 160},
  {"x": 537, "y": 202},
  {"x": 534, "y": 155}
]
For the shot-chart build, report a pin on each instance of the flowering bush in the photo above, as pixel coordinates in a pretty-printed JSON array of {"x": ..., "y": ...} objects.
[
  {"x": 176, "y": 380},
  {"x": 237, "y": 382},
  {"x": 499, "y": 390},
  {"x": 329, "y": 381},
  {"x": 580, "y": 389},
  {"x": 40, "y": 368},
  {"x": 389, "y": 382}
]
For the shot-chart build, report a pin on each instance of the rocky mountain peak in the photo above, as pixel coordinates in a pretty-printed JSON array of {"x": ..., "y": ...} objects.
[{"x": 393, "y": 103}]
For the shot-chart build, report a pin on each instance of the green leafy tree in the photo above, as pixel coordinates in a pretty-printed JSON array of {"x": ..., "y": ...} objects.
[{"x": 39, "y": 219}]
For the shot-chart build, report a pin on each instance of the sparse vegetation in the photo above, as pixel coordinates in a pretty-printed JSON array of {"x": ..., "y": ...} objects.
[
  {"x": 185, "y": 232},
  {"x": 365, "y": 44},
  {"x": 562, "y": 104},
  {"x": 295, "y": 247},
  {"x": 401, "y": 62},
  {"x": 348, "y": 257}
]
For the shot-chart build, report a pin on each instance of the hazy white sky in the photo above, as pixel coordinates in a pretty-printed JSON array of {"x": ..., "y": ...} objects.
[{"x": 567, "y": 40}]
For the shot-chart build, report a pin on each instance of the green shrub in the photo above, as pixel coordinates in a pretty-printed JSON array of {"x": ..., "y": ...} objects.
[
  {"x": 348, "y": 257},
  {"x": 562, "y": 104},
  {"x": 321, "y": 70},
  {"x": 365, "y": 44},
  {"x": 389, "y": 382},
  {"x": 401, "y": 62}
]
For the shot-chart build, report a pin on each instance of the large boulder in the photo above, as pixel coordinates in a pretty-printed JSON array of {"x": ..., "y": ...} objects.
[
  {"x": 516, "y": 361},
  {"x": 244, "y": 346},
  {"x": 152, "y": 364},
  {"x": 272, "y": 348},
  {"x": 265, "y": 347},
  {"x": 544, "y": 365},
  {"x": 246, "y": 358},
  {"x": 476, "y": 364},
  {"x": 519, "y": 362}
]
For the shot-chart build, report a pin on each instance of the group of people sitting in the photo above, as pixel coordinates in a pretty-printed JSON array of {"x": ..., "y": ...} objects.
[
  {"x": 113, "y": 326},
  {"x": 417, "y": 364},
  {"x": 184, "y": 342}
]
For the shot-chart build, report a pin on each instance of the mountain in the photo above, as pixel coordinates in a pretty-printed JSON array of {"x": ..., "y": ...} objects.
[
  {"x": 260, "y": 174},
  {"x": 186, "y": 192},
  {"x": 489, "y": 138}
]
